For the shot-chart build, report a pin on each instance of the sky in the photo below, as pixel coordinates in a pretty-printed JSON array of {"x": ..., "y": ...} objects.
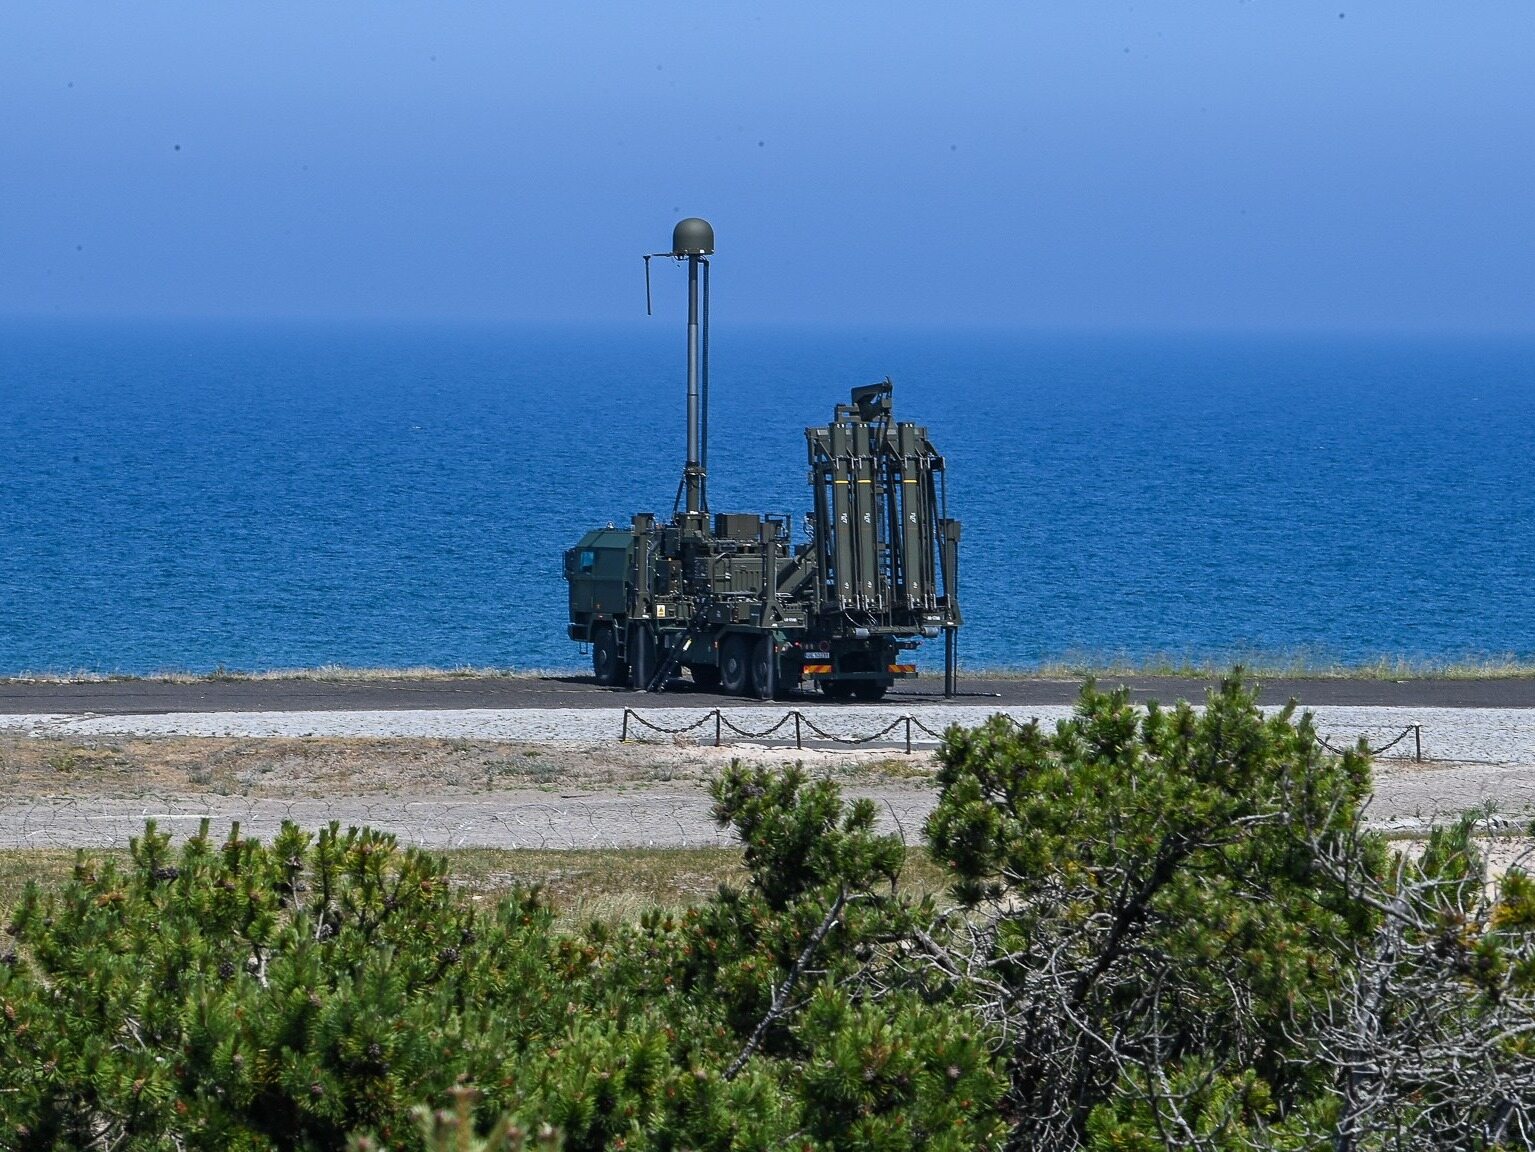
[{"x": 1077, "y": 165}]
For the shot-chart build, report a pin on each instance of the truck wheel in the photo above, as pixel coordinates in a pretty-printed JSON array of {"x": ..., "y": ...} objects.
[
  {"x": 706, "y": 676},
  {"x": 733, "y": 666},
  {"x": 869, "y": 689},
  {"x": 837, "y": 689},
  {"x": 606, "y": 666},
  {"x": 762, "y": 652}
]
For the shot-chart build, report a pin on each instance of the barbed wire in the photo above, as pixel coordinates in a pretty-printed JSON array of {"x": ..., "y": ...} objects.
[{"x": 909, "y": 722}]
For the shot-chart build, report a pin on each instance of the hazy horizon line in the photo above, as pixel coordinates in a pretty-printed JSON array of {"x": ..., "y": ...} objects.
[{"x": 664, "y": 324}]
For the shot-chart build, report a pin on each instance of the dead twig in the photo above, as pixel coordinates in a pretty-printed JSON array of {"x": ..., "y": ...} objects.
[{"x": 781, "y": 993}]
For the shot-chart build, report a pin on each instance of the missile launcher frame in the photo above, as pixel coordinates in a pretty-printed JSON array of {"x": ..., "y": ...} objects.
[{"x": 731, "y": 600}]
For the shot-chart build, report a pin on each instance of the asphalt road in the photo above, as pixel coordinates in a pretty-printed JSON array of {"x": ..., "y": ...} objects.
[{"x": 122, "y": 697}]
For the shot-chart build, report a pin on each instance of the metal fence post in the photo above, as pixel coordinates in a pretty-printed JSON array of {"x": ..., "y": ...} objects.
[
  {"x": 623, "y": 736},
  {"x": 1417, "y": 739},
  {"x": 950, "y": 665},
  {"x": 908, "y": 735},
  {"x": 716, "y": 727},
  {"x": 797, "y": 743}
]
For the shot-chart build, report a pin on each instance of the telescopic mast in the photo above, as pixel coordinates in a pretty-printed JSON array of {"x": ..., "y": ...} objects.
[{"x": 693, "y": 241}]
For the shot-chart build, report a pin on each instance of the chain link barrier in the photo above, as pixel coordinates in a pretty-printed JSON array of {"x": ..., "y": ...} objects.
[
  {"x": 803, "y": 724},
  {"x": 910, "y": 724},
  {"x": 1413, "y": 730}
]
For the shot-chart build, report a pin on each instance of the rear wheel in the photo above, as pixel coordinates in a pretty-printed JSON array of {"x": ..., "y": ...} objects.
[
  {"x": 606, "y": 666},
  {"x": 837, "y": 689},
  {"x": 870, "y": 689},
  {"x": 706, "y": 676},
  {"x": 733, "y": 666}
]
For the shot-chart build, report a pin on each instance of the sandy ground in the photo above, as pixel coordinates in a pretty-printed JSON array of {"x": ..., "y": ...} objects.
[{"x": 558, "y": 778}]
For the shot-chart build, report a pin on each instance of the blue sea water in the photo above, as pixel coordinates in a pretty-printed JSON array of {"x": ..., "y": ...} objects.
[{"x": 265, "y": 496}]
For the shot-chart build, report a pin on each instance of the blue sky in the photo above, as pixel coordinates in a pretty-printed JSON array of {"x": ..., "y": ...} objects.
[{"x": 1214, "y": 165}]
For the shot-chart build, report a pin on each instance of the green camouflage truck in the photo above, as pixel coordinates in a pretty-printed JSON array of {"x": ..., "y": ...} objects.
[{"x": 729, "y": 600}]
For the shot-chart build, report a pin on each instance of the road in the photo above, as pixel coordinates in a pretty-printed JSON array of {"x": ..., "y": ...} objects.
[{"x": 142, "y": 697}]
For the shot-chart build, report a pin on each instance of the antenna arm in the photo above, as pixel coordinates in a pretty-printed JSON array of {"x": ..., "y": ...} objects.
[{"x": 647, "y": 258}]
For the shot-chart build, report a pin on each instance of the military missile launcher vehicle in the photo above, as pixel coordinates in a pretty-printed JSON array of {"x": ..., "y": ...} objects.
[{"x": 732, "y": 601}]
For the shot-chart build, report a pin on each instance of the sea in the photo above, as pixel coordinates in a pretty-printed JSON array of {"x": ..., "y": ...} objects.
[{"x": 246, "y": 497}]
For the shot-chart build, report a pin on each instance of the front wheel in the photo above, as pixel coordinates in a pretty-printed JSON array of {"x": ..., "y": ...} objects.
[
  {"x": 733, "y": 666},
  {"x": 607, "y": 668}
]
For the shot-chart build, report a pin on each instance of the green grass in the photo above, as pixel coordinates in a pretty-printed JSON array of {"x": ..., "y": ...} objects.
[
  {"x": 324, "y": 673},
  {"x": 1300, "y": 665},
  {"x": 610, "y": 885}
]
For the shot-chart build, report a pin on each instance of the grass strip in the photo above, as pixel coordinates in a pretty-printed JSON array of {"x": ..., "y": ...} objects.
[
  {"x": 608, "y": 885},
  {"x": 1267, "y": 665}
]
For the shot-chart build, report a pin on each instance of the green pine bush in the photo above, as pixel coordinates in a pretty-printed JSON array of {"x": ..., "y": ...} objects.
[{"x": 329, "y": 988}]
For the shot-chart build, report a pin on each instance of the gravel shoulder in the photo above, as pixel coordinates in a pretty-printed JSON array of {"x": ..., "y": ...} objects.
[{"x": 1489, "y": 735}]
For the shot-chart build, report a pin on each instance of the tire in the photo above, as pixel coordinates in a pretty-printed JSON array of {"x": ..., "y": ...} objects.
[
  {"x": 762, "y": 687},
  {"x": 837, "y": 689},
  {"x": 706, "y": 677},
  {"x": 607, "y": 668},
  {"x": 642, "y": 657},
  {"x": 734, "y": 663},
  {"x": 869, "y": 689}
]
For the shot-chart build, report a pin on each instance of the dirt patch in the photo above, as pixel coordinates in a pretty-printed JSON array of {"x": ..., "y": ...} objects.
[
  {"x": 61, "y": 791},
  {"x": 316, "y": 767}
]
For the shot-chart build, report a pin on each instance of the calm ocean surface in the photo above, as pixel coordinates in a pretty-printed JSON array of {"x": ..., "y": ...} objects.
[{"x": 256, "y": 497}]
